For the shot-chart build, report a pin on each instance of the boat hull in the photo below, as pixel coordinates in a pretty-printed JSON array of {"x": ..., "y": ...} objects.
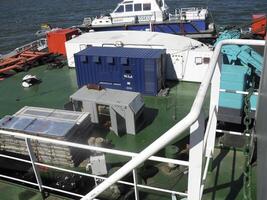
[{"x": 194, "y": 29}]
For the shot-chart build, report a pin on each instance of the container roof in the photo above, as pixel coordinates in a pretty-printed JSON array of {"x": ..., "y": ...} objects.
[
  {"x": 141, "y": 39},
  {"x": 106, "y": 96},
  {"x": 122, "y": 52}
]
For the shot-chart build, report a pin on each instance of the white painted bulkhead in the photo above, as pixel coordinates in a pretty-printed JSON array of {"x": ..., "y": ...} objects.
[
  {"x": 187, "y": 59},
  {"x": 146, "y": 10}
]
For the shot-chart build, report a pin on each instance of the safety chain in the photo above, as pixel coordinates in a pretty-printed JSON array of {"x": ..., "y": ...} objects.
[{"x": 247, "y": 171}]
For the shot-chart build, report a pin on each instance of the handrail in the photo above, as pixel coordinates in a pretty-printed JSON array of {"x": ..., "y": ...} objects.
[
  {"x": 176, "y": 130},
  {"x": 91, "y": 148},
  {"x": 41, "y": 186},
  {"x": 80, "y": 174}
]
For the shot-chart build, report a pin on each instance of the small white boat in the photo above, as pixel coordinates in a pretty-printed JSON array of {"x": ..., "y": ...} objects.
[
  {"x": 135, "y": 11},
  {"x": 153, "y": 15}
]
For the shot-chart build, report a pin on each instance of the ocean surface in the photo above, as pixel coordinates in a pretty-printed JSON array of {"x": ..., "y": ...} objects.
[{"x": 20, "y": 19}]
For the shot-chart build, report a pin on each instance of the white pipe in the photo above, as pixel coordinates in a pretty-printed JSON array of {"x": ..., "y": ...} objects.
[
  {"x": 232, "y": 132},
  {"x": 176, "y": 130},
  {"x": 92, "y": 148},
  {"x": 14, "y": 158},
  {"x": 162, "y": 190},
  {"x": 238, "y": 92},
  {"x": 205, "y": 174},
  {"x": 92, "y": 176}
]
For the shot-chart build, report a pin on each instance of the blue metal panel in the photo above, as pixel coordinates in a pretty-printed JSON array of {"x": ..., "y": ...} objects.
[
  {"x": 178, "y": 28},
  {"x": 110, "y": 28},
  {"x": 201, "y": 25},
  {"x": 173, "y": 28},
  {"x": 232, "y": 78},
  {"x": 189, "y": 28},
  {"x": 229, "y": 100},
  {"x": 142, "y": 27},
  {"x": 167, "y": 28},
  {"x": 150, "y": 74},
  {"x": 138, "y": 74},
  {"x": 122, "y": 52}
]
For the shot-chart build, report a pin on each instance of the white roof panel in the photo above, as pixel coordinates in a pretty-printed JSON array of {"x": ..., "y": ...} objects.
[{"x": 137, "y": 39}]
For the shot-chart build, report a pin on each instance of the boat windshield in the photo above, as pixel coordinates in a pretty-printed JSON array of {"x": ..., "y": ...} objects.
[
  {"x": 138, "y": 7},
  {"x": 146, "y": 6},
  {"x": 131, "y": 7},
  {"x": 160, "y": 3},
  {"x": 120, "y": 9}
]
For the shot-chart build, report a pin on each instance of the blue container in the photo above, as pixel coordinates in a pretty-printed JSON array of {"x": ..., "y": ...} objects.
[{"x": 131, "y": 69}]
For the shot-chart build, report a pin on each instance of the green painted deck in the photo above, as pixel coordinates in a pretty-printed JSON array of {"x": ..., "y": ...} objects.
[
  {"x": 57, "y": 85},
  {"x": 161, "y": 113},
  {"x": 17, "y": 192},
  {"x": 225, "y": 181}
]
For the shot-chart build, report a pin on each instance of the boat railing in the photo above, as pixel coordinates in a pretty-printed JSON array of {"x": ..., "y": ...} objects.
[
  {"x": 40, "y": 44},
  {"x": 190, "y": 9},
  {"x": 201, "y": 145},
  {"x": 35, "y": 164},
  {"x": 175, "y": 16},
  {"x": 37, "y": 44},
  {"x": 191, "y": 13}
]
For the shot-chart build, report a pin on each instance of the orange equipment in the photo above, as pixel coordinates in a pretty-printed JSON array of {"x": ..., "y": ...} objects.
[
  {"x": 259, "y": 24},
  {"x": 21, "y": 61},
  {"x": 56, "y": 40}
]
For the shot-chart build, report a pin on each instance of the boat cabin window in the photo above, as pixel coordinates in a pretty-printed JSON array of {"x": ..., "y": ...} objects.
[
  {"x": 160, "y": 3},
  {"x": 129, "y": 7},
  {"x": 146, "y": 6},
  {"x": 138, "y": 7},
  {"x": 120, "y": 9}
]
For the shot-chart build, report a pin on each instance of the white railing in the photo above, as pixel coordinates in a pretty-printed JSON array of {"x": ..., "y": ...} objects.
[
  {"x": 176, "y": 131},
  {"x": 186, "y": 14},
  {"x": 201, "y": 144},
  {"x": 39, "y": 45},
  {"x": 135, "y": 184}
]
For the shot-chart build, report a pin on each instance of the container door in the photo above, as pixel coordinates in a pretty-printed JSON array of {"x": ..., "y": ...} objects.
[
  {"x": 150, "y": 77},
  {"x": 108, "y": 72}
]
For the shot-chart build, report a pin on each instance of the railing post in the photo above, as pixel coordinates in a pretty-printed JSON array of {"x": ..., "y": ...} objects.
[
  {"x": 196, "y": 158},
  {"x": 174, "y": 197},
  {"x": 214, "y": 106},
  {"x": 35, "y": 169},
  {"x": 135, "y": 179}
]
